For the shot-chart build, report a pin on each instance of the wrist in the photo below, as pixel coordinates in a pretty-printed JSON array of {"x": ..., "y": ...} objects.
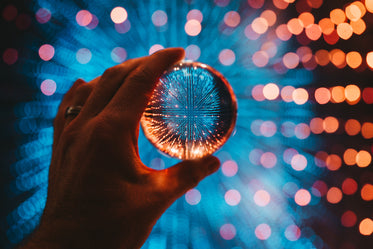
[{"x": 64, "y": 233}]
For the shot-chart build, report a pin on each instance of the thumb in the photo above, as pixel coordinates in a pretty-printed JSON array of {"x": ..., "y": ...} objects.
[{"x": 187, "y": 174}]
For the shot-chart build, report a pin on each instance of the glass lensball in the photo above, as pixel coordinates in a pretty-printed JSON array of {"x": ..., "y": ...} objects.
[{"x": 192, "y": 111}]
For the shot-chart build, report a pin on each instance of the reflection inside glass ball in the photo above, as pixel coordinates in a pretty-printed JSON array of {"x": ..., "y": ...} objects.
[{"x": 192, "y": 111}]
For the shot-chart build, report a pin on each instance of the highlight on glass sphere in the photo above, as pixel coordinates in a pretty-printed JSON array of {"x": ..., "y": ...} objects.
[{"x": 192, "y": 111}]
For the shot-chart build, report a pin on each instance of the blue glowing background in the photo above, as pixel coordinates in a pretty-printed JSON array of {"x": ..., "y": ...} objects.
[{"x": 269, "y": 191}]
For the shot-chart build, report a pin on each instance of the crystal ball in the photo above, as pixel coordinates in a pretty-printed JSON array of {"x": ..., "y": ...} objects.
[{"x": 192, "y": 111}]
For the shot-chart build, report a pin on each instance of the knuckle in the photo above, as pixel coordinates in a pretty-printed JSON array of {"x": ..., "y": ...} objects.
[
  {"x": 142, "y": 76},
  {"x": 192, "y": 178},
  {"x": 82, "y": 93},
  {"x": 75, "y": 86}
]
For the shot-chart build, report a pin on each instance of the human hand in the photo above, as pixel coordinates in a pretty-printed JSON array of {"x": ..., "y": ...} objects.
[{"x": 100, "y": 194}]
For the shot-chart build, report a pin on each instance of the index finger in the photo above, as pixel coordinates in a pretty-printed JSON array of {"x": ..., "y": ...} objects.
[{"x": 132, "y": 97}]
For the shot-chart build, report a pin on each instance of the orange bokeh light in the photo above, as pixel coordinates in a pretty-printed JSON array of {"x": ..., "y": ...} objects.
[
  {"x": 352, "y": 127},
  {"x": 295, "y": 26},
  {"x": 369, "y": 5},
  {"x": 333, "y": 162},
  {"x": 330, "y": 124},
  {"x": 338, "y": 94},
  {"x": 313, "y": 32},
  {"x": 283, "y": 32},
  {"x": 290, "y": 60},
  {"x": 260, "y": 25},
  {"x": 326, "y": 25},
  {"x": 322, "y": 95},
  {"x": 322, "y": 57},
  {"x": 232, "y": 19},
  {"x": 287, "y": 93},
  {"x": 361, "y": 6},
  {"x": 316, "y": 125},
  {"x": 302, "y": 197},
  {"x": 307, "y": 19},
  {"x": 352, "y": 94},
  {"x": 338, "y": 58},
  {"x": 270, "y": 16},
  {"x": 370, "y": 59},
  {"x": 367, "y": 130},
  {"x": 363, "y": 159},
  {"x": 271, "y": 91},
  {"x": 337, "y": 16},
  {"x": 366, "y": 225},
  {"x": 332, "y": 38},
  {"x": 353, "y": 12},
  {"x": 334, "y": 195},
  {"x": 358, "y": 26},
  {"x": 300, "y": 96},
  {"x": 344, "y": 30},
  {"x": 367, "y": 192},
  {"x": 354, "y": 59},
  {"x": 260, "y": 58},
  {"x": 280, "y": 4},
  {"x": 349, "y": 156}
]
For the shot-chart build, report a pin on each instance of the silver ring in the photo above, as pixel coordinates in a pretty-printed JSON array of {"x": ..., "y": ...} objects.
[{"x": 72, "y": 110}]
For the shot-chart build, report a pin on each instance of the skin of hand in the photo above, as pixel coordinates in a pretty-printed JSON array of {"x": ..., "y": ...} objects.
[{"x": 100, "y": 194}]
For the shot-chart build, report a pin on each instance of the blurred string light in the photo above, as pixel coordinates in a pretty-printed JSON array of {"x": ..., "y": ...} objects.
[{"x": 272, "y": 169}]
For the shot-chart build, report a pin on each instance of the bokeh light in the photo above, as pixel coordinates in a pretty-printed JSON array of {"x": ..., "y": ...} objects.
[
  {"x": 300, "y": 96},
  {"x": 83, "y": 56},
  {"x": 369, "y": 59},
  {"x": 193, "y": 197},
  {"x": 232, "y": 19},
  {"x": 263, "y": 231},
  {"x": 118, "y": 15},
  {"x": 348, "y": 219},
  {"x": 159, "y": 18},
  {"x": 302, "y": 197},
  {"x": 262, "y": 198},
  {"x": 232, "y": 197},
  {"x": 83, "y": 17},
  {"x": 193, "y": 27},
  {"x": 118, "y": 54},
  {"x": 227, "y": 231},
  {"x": 292, "y": 233},
  {"x": 334, "y": 195},
  {"x": 48, "y": 87},
  {"x": 46, "y": 52},
  {"x": 366, "y": 227},
  {"x": 367, "y": 192},
  {"x": 10, "y": 56},
  {"x": 43, "y": 15}
]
